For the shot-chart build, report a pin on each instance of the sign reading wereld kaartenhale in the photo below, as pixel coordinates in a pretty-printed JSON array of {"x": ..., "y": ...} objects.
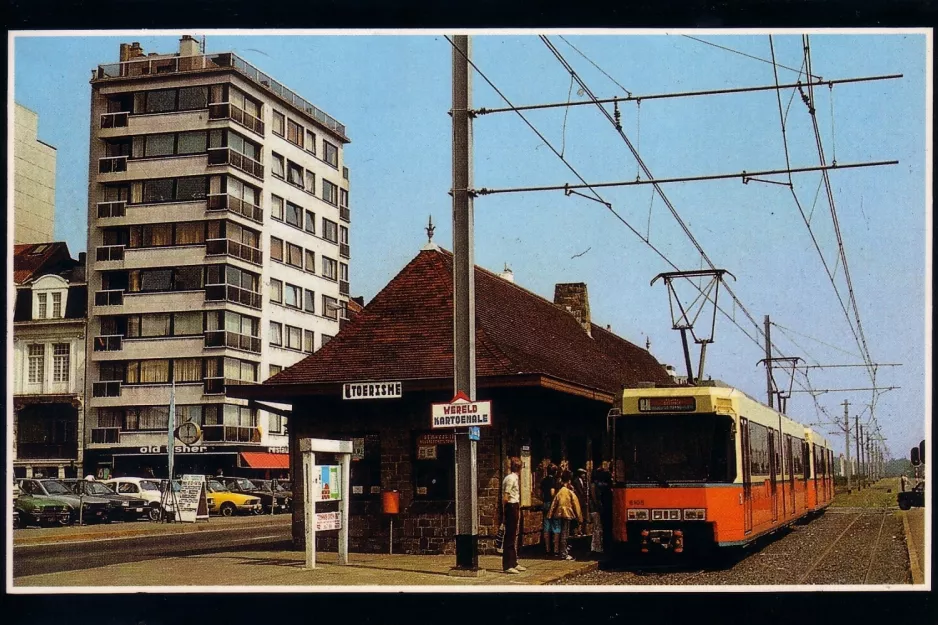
[
  {"x": 460, "y": 412},
  {"x": 371, "y": 390}
]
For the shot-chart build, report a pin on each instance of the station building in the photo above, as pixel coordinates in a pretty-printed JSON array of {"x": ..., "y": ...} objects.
[{"x": 551, "y": 374}]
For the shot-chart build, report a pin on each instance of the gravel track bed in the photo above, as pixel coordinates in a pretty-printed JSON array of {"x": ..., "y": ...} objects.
[{"x": 784, "y": 558}]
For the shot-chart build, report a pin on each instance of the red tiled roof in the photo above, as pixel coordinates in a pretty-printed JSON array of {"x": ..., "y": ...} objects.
[
  {"x": 406, "y": 333},
  {"x": 26, "y": 263}
]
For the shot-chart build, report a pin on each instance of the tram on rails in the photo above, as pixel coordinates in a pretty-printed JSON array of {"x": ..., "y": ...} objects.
[{"x": 698, "y": 467}]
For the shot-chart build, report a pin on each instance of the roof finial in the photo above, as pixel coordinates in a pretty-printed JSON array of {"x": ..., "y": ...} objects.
[
  {"x": 430, "y": 229},
  {"x": 647, "y": 343}
]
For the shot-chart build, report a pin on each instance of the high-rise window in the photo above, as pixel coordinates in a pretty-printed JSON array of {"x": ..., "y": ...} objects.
[
  {"x": 309, "y": 301},
  {"x": 276, "y": 290},
  {"x": 330, "y": 307},
  {"x": 276, "y": 249},
  {"x": 294, "y": 338},
  {"x": 278, "y": 120},
  {"x": 276, "y": 333},
  {"x": 329, "y": 268},
  {"x": 292, "y": 296},
  {"x": 295, "y": 255},
  {"x": 276, "y": 207},
  {"x": 294, "y": 215},
  {"x": 311, "y": 261},
  {"x": 294, "y": 133},
  {"x": 276, "y": 165},
  {"x": 310, "y": 141},
  {"x": 310, "y": 224},
  {"x": 331, "y": 153},
  {"x": 37, "y": 363},
  {"x": 308, "y": 338},
  {"x": 329, "y": 192},
  {"x": 330, "y": 230}
]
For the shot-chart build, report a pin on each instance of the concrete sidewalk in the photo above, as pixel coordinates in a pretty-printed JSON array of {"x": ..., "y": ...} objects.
[
  {"x": 913, "y": 521},
  {"x": 286, "y": 569}
]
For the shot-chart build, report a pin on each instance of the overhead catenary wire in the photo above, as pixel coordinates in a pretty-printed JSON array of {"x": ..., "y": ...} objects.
[{"x": 710, "y": 43}]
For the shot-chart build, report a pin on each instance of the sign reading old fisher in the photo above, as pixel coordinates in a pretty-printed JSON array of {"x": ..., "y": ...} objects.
[{"x": 460, "y": 412}]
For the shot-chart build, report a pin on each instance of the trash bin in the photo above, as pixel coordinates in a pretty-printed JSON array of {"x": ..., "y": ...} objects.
[{"x": 391, "y": 502}]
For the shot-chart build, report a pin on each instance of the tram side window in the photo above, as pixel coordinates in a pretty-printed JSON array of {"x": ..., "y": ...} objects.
[
  {"x": 806, "y": 459},
  {"x": 797, "y": 447},
  {"x": 759, "y": 446}
]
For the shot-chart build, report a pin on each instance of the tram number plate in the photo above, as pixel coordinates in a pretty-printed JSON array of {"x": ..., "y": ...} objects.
[{"x": 636, "y": 502}]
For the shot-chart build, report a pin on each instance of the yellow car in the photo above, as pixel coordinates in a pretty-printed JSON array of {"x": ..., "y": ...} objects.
[{"x": 226, "y": 503}]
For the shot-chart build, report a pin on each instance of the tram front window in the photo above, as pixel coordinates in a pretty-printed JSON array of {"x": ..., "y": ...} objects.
[{"x": 661, "y": 449}]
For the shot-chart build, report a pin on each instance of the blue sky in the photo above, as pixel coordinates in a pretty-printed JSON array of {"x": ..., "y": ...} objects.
[{"x": 393, "y": 93}]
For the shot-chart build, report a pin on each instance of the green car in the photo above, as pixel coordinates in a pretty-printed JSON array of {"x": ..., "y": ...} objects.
[{"x": 32, "y": 510}]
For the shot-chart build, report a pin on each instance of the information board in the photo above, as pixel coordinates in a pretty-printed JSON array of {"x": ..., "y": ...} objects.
[
  {"x": 191, "y": 498},
  {"x": 328, "y": 521},
  {"x": 328, "y": 483}
]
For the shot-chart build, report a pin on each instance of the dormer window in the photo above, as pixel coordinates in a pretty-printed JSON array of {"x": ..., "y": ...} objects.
[
  {"x": 50, "y": 293},
  {"x": 56, "y": 305},
  {"x": 42, "y": 308}
]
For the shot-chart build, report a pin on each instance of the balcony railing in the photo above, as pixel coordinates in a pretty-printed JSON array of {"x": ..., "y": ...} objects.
[
  {"x": 227, "y": 110},
  {"x": 149, "y": 66},
  {"x": 110, "y": 252},
  {"x": 111, "y": 297},
  {"x": 343, "y": 250},
  {"x": 231, "y": 293},
  {"x": 105, "y": 435},
  {"x": 114, "y": 120},
  {"x": 223, "y": 338},
  {"x": 227, "y": 156},
  {"x": 230, "y": 434},
  {"x": 106, "y": 389},
  {"x": 112, "y": 209},
  {"x": 108, "y": 343},
  {"x": 345, "y": 214},
  {"x": 215, "y": 247},
  {"x": 223, "y": 201},
  {"x": 343, "y": 287},
  {"x": 112, "y": 164}
]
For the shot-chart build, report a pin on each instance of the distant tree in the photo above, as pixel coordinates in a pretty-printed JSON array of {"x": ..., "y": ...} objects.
[{"x": 898, "y": 466}]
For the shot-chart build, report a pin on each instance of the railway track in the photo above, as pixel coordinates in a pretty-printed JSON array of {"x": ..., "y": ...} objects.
[{"x": 879, "y": 535}]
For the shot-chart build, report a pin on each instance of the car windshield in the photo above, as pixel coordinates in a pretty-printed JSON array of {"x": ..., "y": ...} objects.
[
  {"x": 284, "y": 486},
  {"x": 149, "y": 485},
  {"x": 97, "y": 488},
  {"x": 217, "y": 487},
  {"x": 56, "y": 488},
  {"x": 244, "y": 484}
]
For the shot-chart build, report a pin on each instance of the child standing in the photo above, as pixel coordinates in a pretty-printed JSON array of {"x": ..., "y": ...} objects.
[{"x": 565, "y": 507}]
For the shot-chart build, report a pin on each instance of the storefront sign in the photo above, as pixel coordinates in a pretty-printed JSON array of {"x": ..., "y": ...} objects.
[
  {"x": 191, "y": 499},
  {"x": 667, "y": 404},
  {"x": 177, "y": 449},
  {"x": 328, "y": 521},
  {"x": 278, "y": 450},
  {"x": 371, "y": 390},
  {"x": 460, "y": 412},
  {"x": 441, "y": 438},
  {"x": 328, "y": 485}
]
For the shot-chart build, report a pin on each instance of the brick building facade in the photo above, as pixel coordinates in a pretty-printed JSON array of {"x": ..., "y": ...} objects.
[{"x": 550, "y": 374}]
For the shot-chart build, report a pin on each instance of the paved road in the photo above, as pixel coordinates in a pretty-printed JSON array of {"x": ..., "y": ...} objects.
[
  {"x": 846, "y": 546},
  {"x": 37, "y": 551}
]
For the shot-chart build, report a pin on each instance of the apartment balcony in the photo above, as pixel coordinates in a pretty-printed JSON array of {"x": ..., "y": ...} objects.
[
  {"x": 222, "y": 247},
  {"x": 108, "y": 210},
  {"x": 227, "y": 156},
  {"x": 232, "y": 293},
  {"x": 230, "y": 434},
  {"x": 344, "y": 250},
  {"x": 109, "y": 297},
  {"x": 114, "y": 120},
  {"x": 121, "y": 394},
  {"x": 161, "y": 301},
  {"x": 108, "y": 343},
  {"x": 106, "y": 389},
  {"x": 181, "y": 64},
  {"x": 108, "y": 253},
  {"x": 225, "y": 202},
  {"x": 147, "y": 347},
  {"x": 227, "y": 110},
  {"x": 169, "y": 256},
  {"x": 103, "y": 436},
  {"x": 216, "y": 385},
  {"x": 112, "y": 164},
  {"x": 343, "y": 287},
  {"x": 345, "y": 214},
  {"x": 232, "y": 340}
]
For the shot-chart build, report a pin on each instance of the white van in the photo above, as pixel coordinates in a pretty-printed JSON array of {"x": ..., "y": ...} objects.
[{"x": 144, "y": 488}]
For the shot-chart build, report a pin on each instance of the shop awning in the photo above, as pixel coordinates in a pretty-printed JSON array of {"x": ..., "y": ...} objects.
[{"x": 266, "y": 460}]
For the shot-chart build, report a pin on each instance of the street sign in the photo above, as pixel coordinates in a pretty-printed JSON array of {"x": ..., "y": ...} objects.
[
  {"x": 460, "y": 412},
  {"x": 371, "y": 390},
  {"x": 328, "y": 521},
  {"x": 474, "y": 432},
  {"x": 191, "y": 499}
]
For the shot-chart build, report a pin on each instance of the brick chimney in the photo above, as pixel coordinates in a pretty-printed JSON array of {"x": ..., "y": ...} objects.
[
  {"x": 131, "y": 51},
  {"x": 574, "y": 298},
  {"x": 189, "y": 46}
]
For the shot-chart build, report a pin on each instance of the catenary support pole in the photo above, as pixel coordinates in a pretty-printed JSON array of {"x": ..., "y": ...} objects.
[
  {"x": 768, "y": 362},
  {"x": 849, "y": 469},
  {"x": 464, "y": 374},
  {"x": 856, "y": 434}
]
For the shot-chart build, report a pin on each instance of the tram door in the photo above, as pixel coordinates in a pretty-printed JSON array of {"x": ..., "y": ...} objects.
[
  {"x": 790, "y": 468},
  {"x": 747, "y": 473},
  {"x": 773, "y": 473}
]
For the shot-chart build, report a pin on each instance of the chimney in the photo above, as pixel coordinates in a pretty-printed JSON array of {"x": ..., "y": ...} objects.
[
  {"x": 189, "y": 46},
  {"x": 574, "y": 298},
  {"x": 508, "y": 275},
  {"x": 134, "y": 51},
  {"x": 125, "y": 52}
]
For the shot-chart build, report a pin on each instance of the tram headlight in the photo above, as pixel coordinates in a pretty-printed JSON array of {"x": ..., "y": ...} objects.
[
  {"x": 637, "y": 514},
  {"x": 657, "y": 515},
  {"x": 695, "y": 514}
]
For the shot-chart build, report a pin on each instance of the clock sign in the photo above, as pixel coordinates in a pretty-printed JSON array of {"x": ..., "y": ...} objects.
[{"x": 189, "y": 433}]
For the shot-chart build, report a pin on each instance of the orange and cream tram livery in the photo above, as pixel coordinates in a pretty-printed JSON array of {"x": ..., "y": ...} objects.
[{"x": 702, "y": 466}]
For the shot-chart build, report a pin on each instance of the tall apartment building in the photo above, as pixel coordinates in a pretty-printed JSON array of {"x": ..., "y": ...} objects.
[
  {"x": 33, "y": 180},
  {"x": 218, "y": 255}
]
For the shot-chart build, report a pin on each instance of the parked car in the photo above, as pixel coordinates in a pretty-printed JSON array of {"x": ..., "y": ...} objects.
[
  {"x": 32, "y": 510},
  {"x": 269, "y": 498},
  {"x": 914, "y": 497},
  {"x": 121, "y": 507},
  {"x": 279, "y": 488},
  {"x": 227, "y": 503},
  {"x": 144, "y": 488},
  {"x": 93, "y": 509}
]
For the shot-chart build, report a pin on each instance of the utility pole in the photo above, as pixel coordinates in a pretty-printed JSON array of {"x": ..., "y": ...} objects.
[
  {"x": 856, "y": 432},
  {"x": 464, "y": 352},
  {"x": 863, "y": 456},
  {"x": 768, "y": 362},
  {"x": 849, "y": 470}
]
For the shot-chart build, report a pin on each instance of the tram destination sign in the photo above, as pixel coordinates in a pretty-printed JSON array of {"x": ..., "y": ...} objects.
[
  {"x": 371, "y": 390},
  {"x": 667, "y": 404},
  {"x": 460, "y": 412}
]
